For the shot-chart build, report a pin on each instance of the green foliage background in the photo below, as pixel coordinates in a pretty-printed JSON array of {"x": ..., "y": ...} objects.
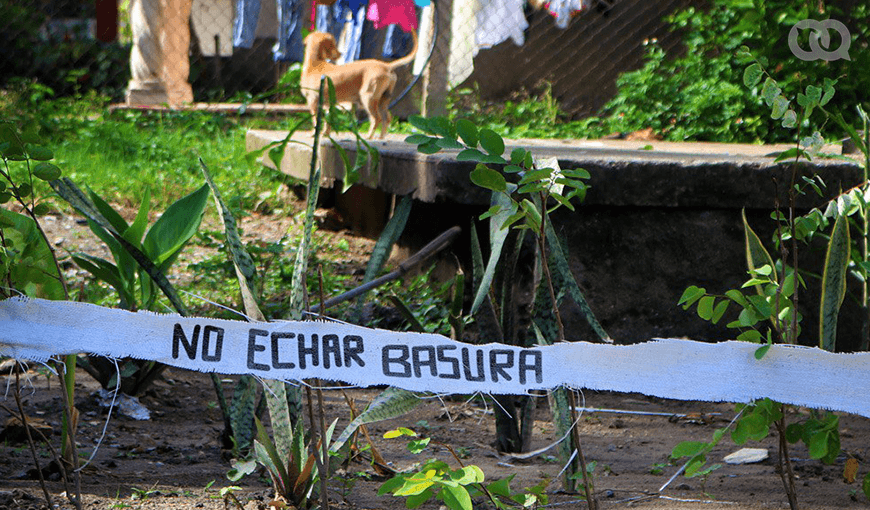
[{"x": 698, "y": 95}]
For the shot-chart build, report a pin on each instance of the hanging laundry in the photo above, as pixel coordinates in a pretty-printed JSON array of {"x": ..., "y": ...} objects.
[
  {"x": 387, "y": 12},
  {"x": 498, "y": 20},
  {"x": 210, "y": 19},
  {"x": 397, "y": 42},
  {"x": 463, "y": 24},
  {"x": 331, "y": 18},
  {"x": 289, "y": 47},
  {"x": 354, "y": 37},
  {"x": 425, "y": 37},
  {"x": 564, "y": 10},
  {"x": 245, "y": 24}
]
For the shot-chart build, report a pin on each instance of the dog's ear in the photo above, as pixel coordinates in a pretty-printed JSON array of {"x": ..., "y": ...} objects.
[{"x": 328, "y": 48}]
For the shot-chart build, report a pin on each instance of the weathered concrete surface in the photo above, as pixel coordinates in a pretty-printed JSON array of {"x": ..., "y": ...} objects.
[{"x": 653, "y": 223}]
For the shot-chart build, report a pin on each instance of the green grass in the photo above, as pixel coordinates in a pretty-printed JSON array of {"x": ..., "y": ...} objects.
[{"x": 119, "y": 154}]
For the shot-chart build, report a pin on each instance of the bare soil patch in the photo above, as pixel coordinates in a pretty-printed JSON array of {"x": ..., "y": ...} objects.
[{"x": 174, "y": 460}]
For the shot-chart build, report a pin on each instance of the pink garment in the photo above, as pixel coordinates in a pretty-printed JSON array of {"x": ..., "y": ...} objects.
[{"x": 387, "y": 12}]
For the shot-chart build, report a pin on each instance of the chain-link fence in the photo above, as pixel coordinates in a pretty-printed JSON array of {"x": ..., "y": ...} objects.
[{"x": 243, "y": 46}]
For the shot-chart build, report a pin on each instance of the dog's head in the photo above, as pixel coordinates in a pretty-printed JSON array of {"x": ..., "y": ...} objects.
[{"x": 323, "y": 45}]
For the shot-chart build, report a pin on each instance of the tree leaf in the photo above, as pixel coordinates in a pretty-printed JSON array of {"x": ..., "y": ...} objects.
[
  {"x": 470, "y": 155},
  {"x": 491, "y": 142},
  {"x": 417, "y": 139},
  {"x": 752, "y": 75},
  {"x": 779, "y": 107},
  {"x": 497, "y": 235},
  {"x": 756, "y": 255},
  {"x": 488, "y": 178},
  {"x": 468, "y": 132},
  {"x": 46, "y": 171},
  {"x": 705, "y": 307},
  {"x": 455, "y": 498}
]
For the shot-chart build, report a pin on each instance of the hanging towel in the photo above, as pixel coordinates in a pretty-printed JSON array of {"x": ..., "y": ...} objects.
[
  {"x": 289, "y": 47},
  {"x": 387, "y": 12},
  {"x": 212, "y": 18},
  {"x": 564, "y": 9},
  {"x": 498, "y": 20},
  {"x": 245, "y": 23}
]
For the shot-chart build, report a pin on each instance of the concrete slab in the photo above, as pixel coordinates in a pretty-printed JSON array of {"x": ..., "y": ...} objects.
[{"x": 672, "y": 174}]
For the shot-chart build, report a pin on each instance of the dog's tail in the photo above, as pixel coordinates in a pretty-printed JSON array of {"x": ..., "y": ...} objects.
[{"x": 407, "y": 59}]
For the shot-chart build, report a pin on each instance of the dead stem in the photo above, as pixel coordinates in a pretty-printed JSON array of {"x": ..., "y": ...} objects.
[
  {"x": 30, "y": 440},
  {"x": 69, "y": 409},
  {"x": 785, "y": 469},
  {"x": 575, "y": 435},
  {"x": 324, "y": 463}
]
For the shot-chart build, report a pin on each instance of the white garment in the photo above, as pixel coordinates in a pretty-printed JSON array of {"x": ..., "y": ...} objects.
[
  {"x": 463, "y": 24},
  {"x": 424, "y": 39},
  {"x": 212, "y": 18},
  {"x": 498, "y": 20},
  {"x": 562, "y": 10}
]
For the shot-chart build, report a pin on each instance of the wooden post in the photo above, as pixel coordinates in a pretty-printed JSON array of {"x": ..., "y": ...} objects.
[
  {"x": 435, "y": 75},
  {"x": 107, "y": 20},
  {"x": 159, "y": 63}
]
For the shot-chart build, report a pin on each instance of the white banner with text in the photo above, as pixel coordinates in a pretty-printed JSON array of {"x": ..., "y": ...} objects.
[{"x": 37, "y": 329}]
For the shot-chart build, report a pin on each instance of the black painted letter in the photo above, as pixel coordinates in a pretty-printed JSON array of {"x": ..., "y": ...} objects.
[
  {"x": 254, "y": 347},
  {"x": 442, "y": 358},
  {"x": 178, "y": 336},
  {"x": 496, "y": 368},
  {"x": 314, "y": 351},
  {"x": 331, "y": 346},
  {"x": 352, "y": 352},
  {"x": 276, "y": 362},
  {"x": 532, "y": 365},
  {"x": 427, "y": 361},
  {"x": 481, "y": 375},
  {"x": 402, "y": 360},
  {"x": 218, "y": 344}
]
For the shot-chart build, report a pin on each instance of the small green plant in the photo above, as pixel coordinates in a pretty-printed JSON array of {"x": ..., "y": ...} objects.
[
  {"x": 161, "y": 244},
  {"x": 29, "y": 264},
  {"x": 455, "y": 488},
  {"x": 143, "y": 494},
  {"x": 293, "y": 470}
]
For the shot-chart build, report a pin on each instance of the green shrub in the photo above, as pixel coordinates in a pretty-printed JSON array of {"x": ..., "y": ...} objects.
[{"x": 698, "y": 96}]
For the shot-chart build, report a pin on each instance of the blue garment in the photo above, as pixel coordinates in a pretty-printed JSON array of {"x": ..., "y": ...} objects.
[
  {"x": 397, "y": 42},
  {"x": 289, "y": 47},
  {"x": 360, "y": 34},
  {"x": 245, "y": 24},
  {"x": 331, "y": 18}
]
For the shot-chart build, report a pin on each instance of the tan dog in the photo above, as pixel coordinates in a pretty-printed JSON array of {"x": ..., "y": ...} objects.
[{"x": 367, "y": 82}]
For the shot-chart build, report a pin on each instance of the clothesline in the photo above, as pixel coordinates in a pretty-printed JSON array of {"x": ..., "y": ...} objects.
[{"x": 477, "y": 24}]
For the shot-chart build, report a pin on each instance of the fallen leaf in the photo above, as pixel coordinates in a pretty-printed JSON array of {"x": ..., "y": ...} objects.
[{"x": 851, "y": 470}]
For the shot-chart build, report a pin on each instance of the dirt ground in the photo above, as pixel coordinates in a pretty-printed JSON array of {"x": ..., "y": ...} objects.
[{"x": 174, "y": 459}]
